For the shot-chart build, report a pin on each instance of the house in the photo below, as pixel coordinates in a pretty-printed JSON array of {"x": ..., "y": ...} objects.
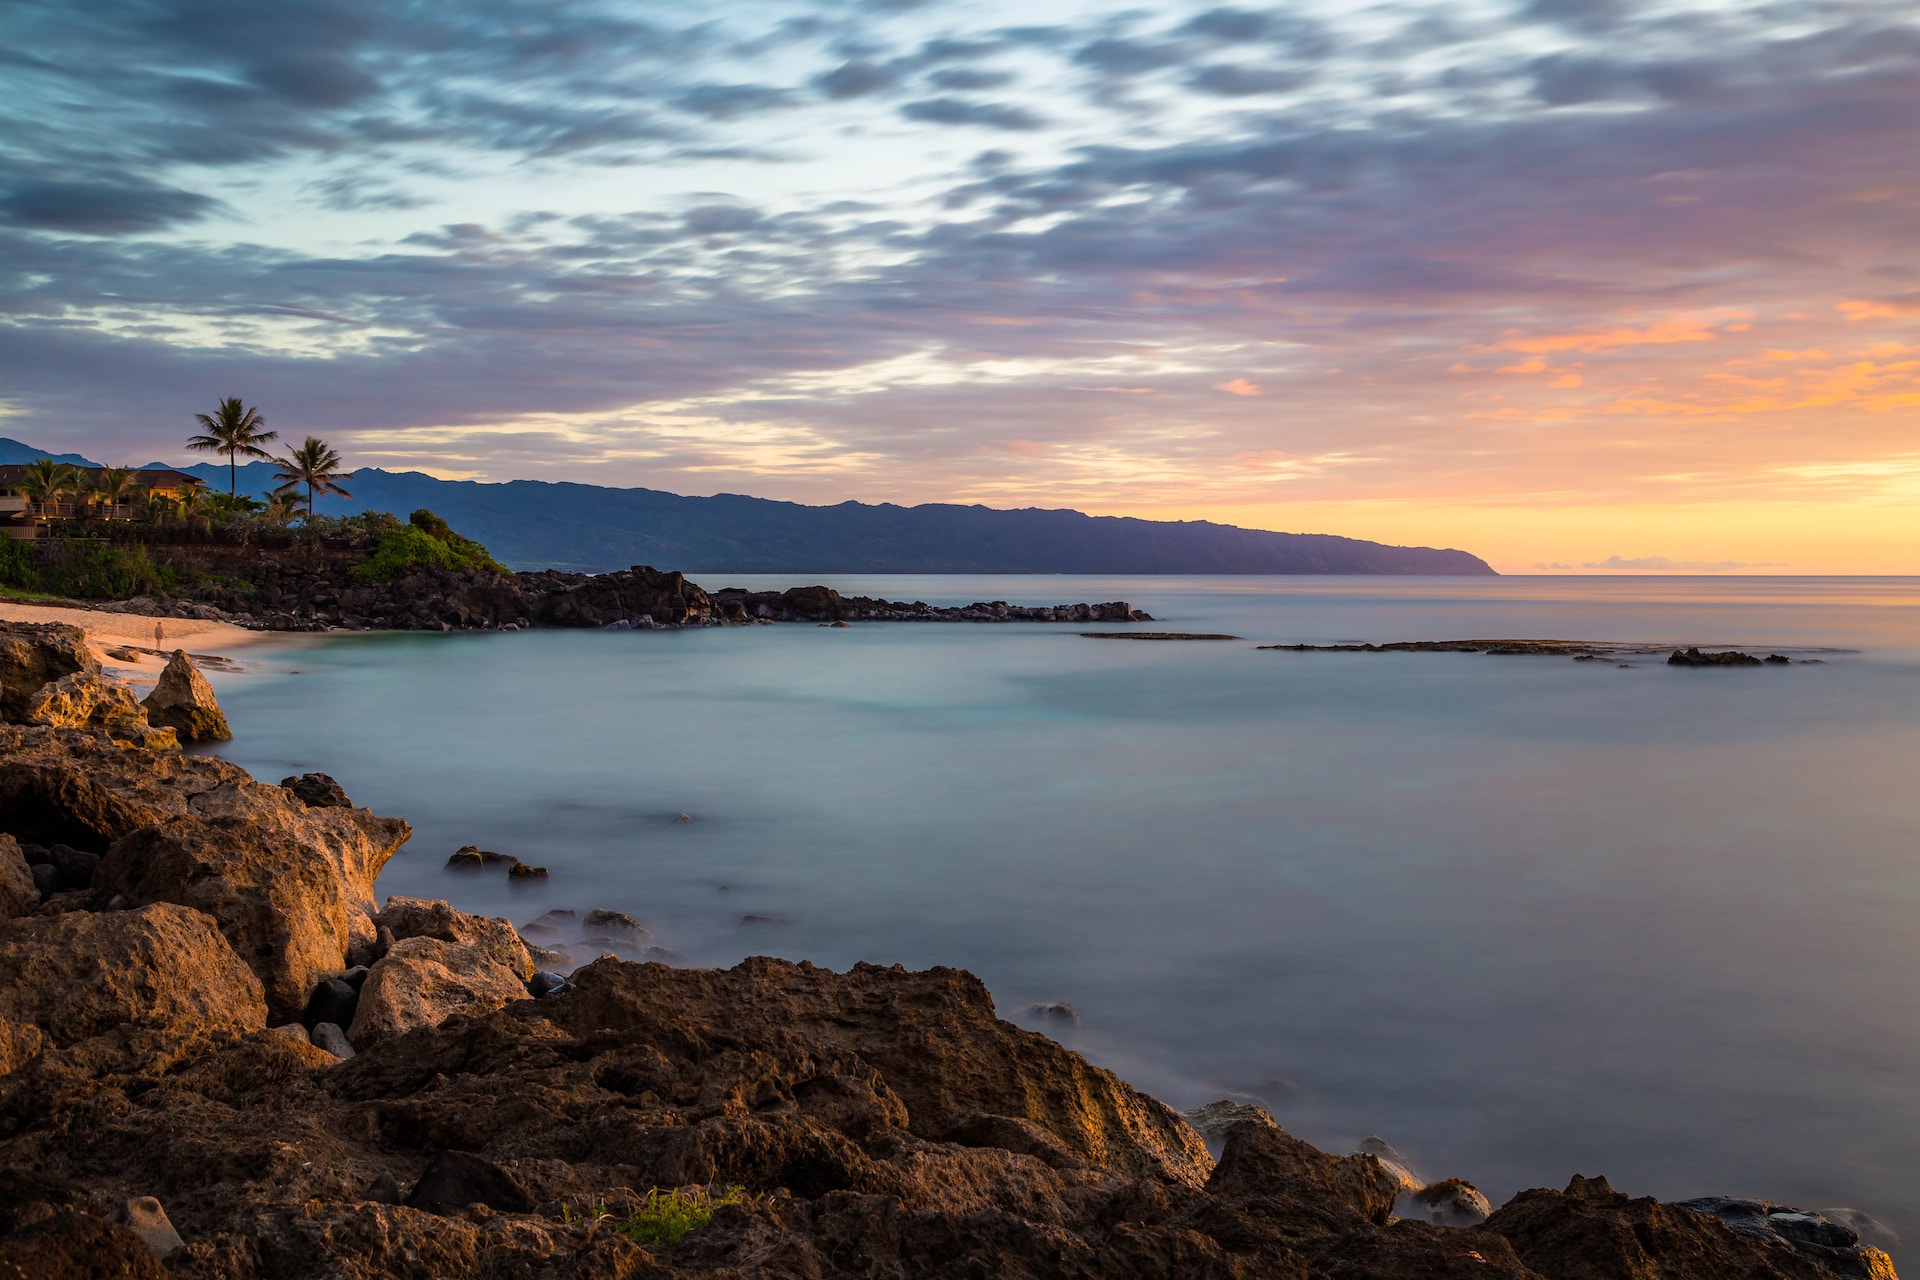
[{"x": 18, "y": 517}]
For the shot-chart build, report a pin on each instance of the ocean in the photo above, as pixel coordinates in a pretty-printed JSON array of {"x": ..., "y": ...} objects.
[{"x": 1524, "y": 917}]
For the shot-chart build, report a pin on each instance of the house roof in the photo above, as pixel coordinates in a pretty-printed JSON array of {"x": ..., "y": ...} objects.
[{"x": 146, "y": 477}]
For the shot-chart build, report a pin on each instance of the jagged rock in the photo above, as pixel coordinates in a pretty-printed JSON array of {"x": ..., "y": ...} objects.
[
  {"x": 457, "y": 1179},
  {"x": 430, "y": 918},
  {"x": 1262, "y": 1160},
  {"x": 1453, "y": 1202},
  {"x": 144, "y": 1216},
  {"x": 292, "y": 1031},
  {"x": 423, "y": 981},
  {"x": 1592, "y": 1232},
  {"x": 71, "y": 1245},
  {"x": 1829, "y": 1241},
  {"x": 523, "y": 871},
  {"x": 329, "y": 1036},
  {"x": 183, "y": 701},
  {"x": 280, "y": 878},
  {"x": 34, "y": 655},
  {"x": 20, "y": 1043},
  {"x": 166, "y": 967},
  {"x": 1692, "y": 657},
  {"x": 1393, "y": 1162},
  {"x": 317, "y": 791},
  {"x": 19, "y": 894},
  {"x": 88, "y": 700}
]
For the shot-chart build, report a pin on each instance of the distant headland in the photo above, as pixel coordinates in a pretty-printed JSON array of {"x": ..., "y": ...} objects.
[{"x": 537, "y": 524}]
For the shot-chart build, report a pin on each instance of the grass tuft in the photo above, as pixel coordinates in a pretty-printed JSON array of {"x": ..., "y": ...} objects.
[{"x": 668, "y": 1215}]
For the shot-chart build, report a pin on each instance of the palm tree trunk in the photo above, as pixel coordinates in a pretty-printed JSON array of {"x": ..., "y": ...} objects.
[{"x": 233, "y": 475}]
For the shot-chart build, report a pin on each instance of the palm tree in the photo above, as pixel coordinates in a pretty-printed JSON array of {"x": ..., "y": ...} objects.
[
  {"x": 116, "y": 487},
  {"x": 45, "y": 481},
  {"x": 315, "y": 465},
  {"x": 233, "y": 429},
  {"x": 194, "y": 508}
]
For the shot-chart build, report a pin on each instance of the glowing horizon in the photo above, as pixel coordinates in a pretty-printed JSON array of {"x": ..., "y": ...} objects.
[{"x": 1575, "y": 285}]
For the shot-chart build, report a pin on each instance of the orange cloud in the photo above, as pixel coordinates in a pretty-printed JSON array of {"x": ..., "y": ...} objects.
[
  {"x": 1669, "y": 331},
  {"x": 1859, "y": 309},
  {"x": 1239, "y": 387}
]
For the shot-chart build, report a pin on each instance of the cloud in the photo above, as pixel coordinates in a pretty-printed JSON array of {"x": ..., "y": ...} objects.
[
  {"x": 857, "y": 79},
  {"x": 989, "y": 115},
  {"x": 101, "y": 208},
  {"x": 1661, "y": 564}
]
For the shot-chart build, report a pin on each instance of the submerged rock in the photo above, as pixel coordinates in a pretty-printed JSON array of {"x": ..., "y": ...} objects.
[
  {"x": 1692, "y": 657},
  {"x": 183, "y": 701},
  {"x": 317, "y": 791}
]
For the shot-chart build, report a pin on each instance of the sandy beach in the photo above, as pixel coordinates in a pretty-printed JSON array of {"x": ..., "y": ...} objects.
[{"x": 114, "y": 630}]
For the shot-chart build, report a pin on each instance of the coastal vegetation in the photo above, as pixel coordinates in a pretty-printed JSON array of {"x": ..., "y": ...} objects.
[
  {"x": 427, "y": 540},
  {"x": 233, "y": 430}
]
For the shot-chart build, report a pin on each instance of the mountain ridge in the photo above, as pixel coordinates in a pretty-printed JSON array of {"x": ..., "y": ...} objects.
[{"x": 572, "y": 525}]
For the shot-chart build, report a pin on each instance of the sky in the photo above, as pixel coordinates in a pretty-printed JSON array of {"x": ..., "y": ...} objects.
[{"x": 1577, "y": 285}]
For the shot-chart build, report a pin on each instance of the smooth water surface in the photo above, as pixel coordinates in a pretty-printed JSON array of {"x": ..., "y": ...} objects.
[{"x": 1524, "y": 917}]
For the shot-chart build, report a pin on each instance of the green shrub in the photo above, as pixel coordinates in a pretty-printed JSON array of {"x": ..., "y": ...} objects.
[
  {"x": 425, "y": 540},
  {"x": 83, "y": 568},
  {"x": 668, "y": 1215}
]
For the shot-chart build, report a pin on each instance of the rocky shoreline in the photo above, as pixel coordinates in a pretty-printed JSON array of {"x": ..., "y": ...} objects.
[
  {"x": 315, "y": 590},
  {"x": 222, "y": 1059}
]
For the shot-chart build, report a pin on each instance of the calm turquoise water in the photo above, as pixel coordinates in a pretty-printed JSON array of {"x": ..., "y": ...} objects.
[{"x": 1523, "y": 917}]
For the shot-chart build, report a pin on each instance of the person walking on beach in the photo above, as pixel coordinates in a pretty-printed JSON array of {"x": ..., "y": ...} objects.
[{"x": 159, "y": 635}]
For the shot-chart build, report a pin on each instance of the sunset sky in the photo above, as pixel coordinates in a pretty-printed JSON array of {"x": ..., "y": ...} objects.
[{"x": 1586, "y": 284}]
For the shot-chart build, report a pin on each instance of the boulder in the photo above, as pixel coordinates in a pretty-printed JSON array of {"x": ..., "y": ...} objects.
[
  {"x": 283, "y": 880},
  {"x": 18, "y": 892},
  {"x": 144, "y": 1216},
  {"x": 35, "y": 654},
  {"x": 430, "y": 918},
  {"x": 84, "y": 974},
  {"x": 183, "y": 701},
  {"x": 1452, "y": 1202},
  {"x": 332, "y": 1001},
  {"x": 457, "y": 1179},
  {"x": 88, "y": 700},
  {"x": 329, "y": 1036},
  {"x": 1592, "y": 1232},
  {"x": 317, "y": 791},
  {"x": 423, "y": 981},
  {"x": 1263, "y": 1161}
]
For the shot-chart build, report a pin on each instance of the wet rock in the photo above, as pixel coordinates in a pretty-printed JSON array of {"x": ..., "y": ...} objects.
[
  {"x": 1869, "y": 1228},
  {"x": 1397, "y": 1166},
  {"x": 1592, "y": 1231},
  {"x": 1055, "y": 1011},
  {"x": 332, "y": 1001},
  {"x": 611, "y": 926},
  {"x": 124, "y": 655},
  {"x": 545, "y": 983},
  {"x": 424, "y": 981},
  {"x": 1829, "y": 1241},
  {"x": 19, "y": 891},
  {"x": 1453, "y": 1202},
  {"x": 522, "y": 871},
  {"x": 34, "y": 655},
  {"x": 466, "y": 858},
  {"x": 183, "y": 701},
  {"x": 317, "y": 791},
  {"x": 548, "y": 957},
  {"x": 558, "y": 923},
  {"x": 457, "y": 1179},
  {"x": 144, "y": 1216},
  {"x": 430, "y": 918},
  {"x": 329, "y": 1036},
  {"x": 164, "y": 967},
  {"x": 1692, "y": 657}
]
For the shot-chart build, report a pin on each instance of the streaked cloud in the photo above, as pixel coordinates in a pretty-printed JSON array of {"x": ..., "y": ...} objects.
[{"x": 1574, "y": 251}]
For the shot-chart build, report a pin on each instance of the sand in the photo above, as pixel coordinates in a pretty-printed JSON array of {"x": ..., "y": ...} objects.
[{"x": 112, "y": 630}]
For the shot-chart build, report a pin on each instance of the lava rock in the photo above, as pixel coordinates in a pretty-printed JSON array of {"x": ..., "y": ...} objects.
[
  {"x": 457, "y": 1179},
  {"x": 19, "y": 890},
  {"x": 521, "y": 871},
  {"x": 423, "y": 981},
  {"x": 1692, "y": 657},
  {"x": 332, "y": 1001},
  {"x": 317, "y": 791}
]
